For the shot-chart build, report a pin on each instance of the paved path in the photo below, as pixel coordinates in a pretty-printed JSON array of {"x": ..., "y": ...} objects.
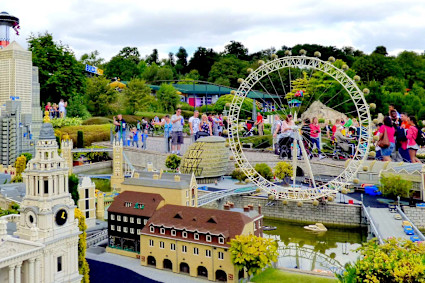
[
  {"x": 133, "y": 264},
  {"x": 388, "y": 226}
]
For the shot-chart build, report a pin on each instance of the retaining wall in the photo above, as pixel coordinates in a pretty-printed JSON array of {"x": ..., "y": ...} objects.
[
  {"x": 416, "y": 215},
  {"x": 331, "y": 213},
  {"x": 92, "y": 166}
]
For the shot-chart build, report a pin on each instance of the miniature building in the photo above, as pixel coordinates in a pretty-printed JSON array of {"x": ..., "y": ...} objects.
[
  {"x": 45, "y": 246},
  {"x": 87, "y": 201},
  {"x": 179, "y": 189},
  {"x": 11, "y": 193},
  {"x": 196, "y": 240},
  {"x": 117, "y": 165},
  {"x": 127, "y": 216},
  {"x": 207, "y": 158}
]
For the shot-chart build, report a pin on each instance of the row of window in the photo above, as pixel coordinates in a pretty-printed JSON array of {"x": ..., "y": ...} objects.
[
  {"x": 188, "y": 203},
  {"x": 184, "y": 249},
  {"x": 125, "y": 229},
  {"x": 126, "y": 218},
  {"x": 184, "y": 234}
]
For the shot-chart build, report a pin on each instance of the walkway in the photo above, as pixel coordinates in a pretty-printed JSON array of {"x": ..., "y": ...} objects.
[{"x": 387, "y": 226}]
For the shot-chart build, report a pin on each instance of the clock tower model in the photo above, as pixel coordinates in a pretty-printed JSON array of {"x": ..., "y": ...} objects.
[{"x": 47, "y": 211}]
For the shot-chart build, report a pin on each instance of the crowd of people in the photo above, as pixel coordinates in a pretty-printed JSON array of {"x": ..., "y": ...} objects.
[{"x": 56, "y": 110}]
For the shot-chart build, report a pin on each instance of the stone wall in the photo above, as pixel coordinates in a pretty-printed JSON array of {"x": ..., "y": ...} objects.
[
  {"x": 92, "y": 166},
  {"x": 331, "y": 213},
  {"x": 140, "y": 159},
  {"x": 416, "y": 215}
]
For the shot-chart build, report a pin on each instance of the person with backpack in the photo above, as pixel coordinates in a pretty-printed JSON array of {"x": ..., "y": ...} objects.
[{"x": 413, "y": 137}]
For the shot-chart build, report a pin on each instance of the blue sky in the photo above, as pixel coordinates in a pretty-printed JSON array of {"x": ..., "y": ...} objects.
[{"x": 108, "y": 26}]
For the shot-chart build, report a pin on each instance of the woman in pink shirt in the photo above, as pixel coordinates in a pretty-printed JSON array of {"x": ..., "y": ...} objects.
[
  {"x": 387, "y": 126},
  {"x": 314, "y": 136},
  {"x": 412, "y": 134}
]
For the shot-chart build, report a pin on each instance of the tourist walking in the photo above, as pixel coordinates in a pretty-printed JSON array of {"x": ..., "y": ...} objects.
[
  {"x": 135, "y": 140},
  {"x": 166, "y": 122},
  {"x": 194, "y": 125},
  {"x": 120, "y": 127},
  {"x": 177, "y": 131},
  {"x": 144, "y": 137},
  {"x": 315, "y": 132},
  {"x": 412, "y": 136},
  {"x": 260, "y": 124},
  {"x": 388, "y": 130}
]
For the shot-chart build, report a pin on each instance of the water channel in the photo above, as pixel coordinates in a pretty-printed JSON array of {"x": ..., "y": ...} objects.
[{"x": 315, "y": 251}]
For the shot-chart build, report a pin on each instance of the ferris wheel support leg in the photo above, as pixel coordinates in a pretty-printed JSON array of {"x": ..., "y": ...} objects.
[
  {"x": 307, "y": 163},
  {"x": 294, "y": 160}
]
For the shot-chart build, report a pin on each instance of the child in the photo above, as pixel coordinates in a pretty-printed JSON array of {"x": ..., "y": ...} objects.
[
  {"x": 135, "y": 135},
  {"x": 144, "y": 138}
]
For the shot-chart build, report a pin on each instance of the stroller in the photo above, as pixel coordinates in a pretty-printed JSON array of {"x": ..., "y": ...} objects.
[
  {"x": 284, "y": 146},
  {"x": 342, "y": 150},
  {"x": 249, "y": 130}
]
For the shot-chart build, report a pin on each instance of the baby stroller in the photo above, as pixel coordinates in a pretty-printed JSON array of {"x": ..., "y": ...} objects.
[
  {"x": 284, "y": 145},
  {"x": 249, "y": 130},
  {"x": 342, "y": 150}
]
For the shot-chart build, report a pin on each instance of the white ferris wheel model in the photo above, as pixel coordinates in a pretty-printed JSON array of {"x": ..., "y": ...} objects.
[{"x": 356, "y": 96}]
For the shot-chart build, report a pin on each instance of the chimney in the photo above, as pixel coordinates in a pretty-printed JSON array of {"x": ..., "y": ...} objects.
[
  {"x": 245, "y": 209},
  {"x": 259, "y": 209},
  {"x": 232, "y": 205},
  {"x": 176, "y": 178},
  {"x": 251, "y": 207},
  {"x": 155, "y": 176},
  {"x": 226, "y": 207}
]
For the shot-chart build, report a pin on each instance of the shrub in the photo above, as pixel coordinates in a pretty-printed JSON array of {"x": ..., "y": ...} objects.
[
  {"x": 80, "y": 139},
  {"x": 397, "y": 260},
  {"x": 92, "y": 133},
  {"x": 97, "y": 121},
  {"x": 67, "y": 121},
  {"x": 73, "y": 187},
  {"x": 28, "y": 156},
  {"x": 283, "y": 170},
  {"x": 172, "y": 161},
  {"x": 83, "y": 266},
  {"x": 264, "y": 170},
  {"x": 393, "y": 186},
  {"x": 102, "y": 185},
  {"x": 259, "y": 141},
  {"x": 238, "y": 174}
]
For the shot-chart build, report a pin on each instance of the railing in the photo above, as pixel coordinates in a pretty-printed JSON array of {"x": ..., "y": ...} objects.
[
  {"x": 91, "y": 150},
  {"x": 417, "y": 232},
  {"x": 373, "y": 225},
  {"x": 96, "y": 238},
  {"x": 205, "y": 199},
  {"x": 128, "y": 167}
]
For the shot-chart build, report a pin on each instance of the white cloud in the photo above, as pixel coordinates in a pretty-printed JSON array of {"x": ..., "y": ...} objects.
[{"x": 108, "y": 25}]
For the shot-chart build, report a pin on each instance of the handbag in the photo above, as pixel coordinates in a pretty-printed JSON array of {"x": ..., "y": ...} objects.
[{"x": 384, "y": 142}]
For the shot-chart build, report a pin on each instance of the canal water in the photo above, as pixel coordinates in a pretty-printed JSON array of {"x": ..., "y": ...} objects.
[{"x": 315, "y": 251}]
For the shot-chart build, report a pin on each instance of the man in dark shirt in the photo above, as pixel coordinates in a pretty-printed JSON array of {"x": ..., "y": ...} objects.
[{"x": 120, "y": 127}]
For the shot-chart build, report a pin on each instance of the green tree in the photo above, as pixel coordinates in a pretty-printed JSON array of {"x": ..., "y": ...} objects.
[
  {"x": 382, "y": 50},
  {"x": 238, "y": 174},
  {"x": 264, "y": 170},
  {"x": 130, "y": 53},
  {"x": 60, "y": 74},
  {"x": 282, "y": 170},
  {"x": 28, "y": 157},
  {"x": 92, "y": 59},
  {"x": 77, "y": 107},
  {"x": 377, "y": 67},
  {"x": 73, "y": 187},
  {"x": 100, "y": 95},
  {"x": 246, "y": 108},
  {"x": 397, "y": 260},
  {"x": 181, "y": 63},
  {"x": 227, "y": 70},
  {"x": 393, "y": 185},
  {"x": 172, "y": 161},
  {"x": 202, "y": 60},
  {"x": 237, "y": 49},
  {"x": 167, "y": 97},
  {"x": 124, "y": 65},
  {"x": 253, "y": 253},
  {"x": 153, "y": 58},
  {"x": 83, "y": 266},
  {"x": 138, "y": 95}
]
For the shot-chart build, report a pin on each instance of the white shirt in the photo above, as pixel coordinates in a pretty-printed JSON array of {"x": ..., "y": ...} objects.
[
  {"x": 61, "y": 106},
  {"x": 195, "y": 124}
]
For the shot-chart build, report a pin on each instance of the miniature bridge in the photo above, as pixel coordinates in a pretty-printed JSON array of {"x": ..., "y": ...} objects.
[
  {"x": 205, "y": 199},
  {"x": 92, "y": 240},
  {"x": 80, "y": 150}
]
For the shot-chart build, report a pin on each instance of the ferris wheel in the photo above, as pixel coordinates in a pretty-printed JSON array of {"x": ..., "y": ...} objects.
[{"x": 289, "y": 85}]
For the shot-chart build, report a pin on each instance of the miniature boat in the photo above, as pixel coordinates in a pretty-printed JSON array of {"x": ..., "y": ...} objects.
[
  {"x": 269, "y": 228},
  {"x": 318, "y": 227}
]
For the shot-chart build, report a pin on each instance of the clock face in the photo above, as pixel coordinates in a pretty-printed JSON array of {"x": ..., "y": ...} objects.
[
  {"x": 31, "y": 218},
  {"x": 61, "y": 217}
]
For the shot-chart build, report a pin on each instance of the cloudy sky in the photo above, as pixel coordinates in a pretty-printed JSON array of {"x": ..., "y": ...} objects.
[{"x": 108, "y": 26}]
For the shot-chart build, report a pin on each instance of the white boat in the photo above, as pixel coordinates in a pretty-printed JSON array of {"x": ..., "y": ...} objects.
[{"x": 318, "y": 227}]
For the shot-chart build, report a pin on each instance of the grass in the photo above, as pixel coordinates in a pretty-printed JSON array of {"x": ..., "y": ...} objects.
[
  {"x": 91, "y": 133},
  {"x": 272, "y": 275}
]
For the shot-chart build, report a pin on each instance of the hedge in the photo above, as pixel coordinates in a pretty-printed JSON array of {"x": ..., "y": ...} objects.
[
  {"x": 92, "y": 133},
  {"x": 259, "y": 141},
  {"x": 97, "y": 121}
]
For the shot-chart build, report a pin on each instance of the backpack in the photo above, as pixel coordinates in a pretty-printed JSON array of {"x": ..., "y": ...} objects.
[{"x": 420, "y": 139}]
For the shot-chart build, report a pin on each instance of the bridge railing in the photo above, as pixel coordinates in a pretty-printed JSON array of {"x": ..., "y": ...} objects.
[
  {"x": 417, "y": 232},
  {"x": 203, "y": 200},
  {"x": 373, "y": 225},
  {"x": 96, "y": 238}
]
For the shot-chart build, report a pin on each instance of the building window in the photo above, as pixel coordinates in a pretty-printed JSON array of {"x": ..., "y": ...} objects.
[
  {"x": 162, "y": 231},
  {"x": 139, "y": 231},
  {"x": 112, "y": 227},
  {"x": 87, "y": 214},
  {"x": 173, "y": 247},
  {"x": 184, "y": 249},
  {"x": 161, "y": 244},
  {"x": 131, "y": 219},
  {"x": 208, "y": 238},
  {"x": 46, "y": 187},
  {"x": 152, "y": 229},
  {"x": 220, "y": 255},
  {"x": 221, "y": 240},
  {"x": 195, "y": 251},
  {"x": 173, "y": 232},
  {"x": 144, "y": 221},
  {"x": 125, "y": 229},
  {"x": 187, "y": 194},
  {"x": 196, "y": 236},
  {"x": 59, "y": 263},
  {"x": 112, "y": 216},
  {"x": 125, "y": 218},
  {"x": 127, "y": 204},
  {"x": 193, "y": 202},
  {"x": 139, "y": 221},
  {"x": 118, "y": 217},
  {"x": 119, "y": 228},
  {"x": 131, "y": 230},
  {"x": 87, "y": 193},
  {"x": 187, "y": 203},
  {"x": 208, "y": 253},
  {"x": 184, "y": 234},
  {"x": 151, "y": 243}
]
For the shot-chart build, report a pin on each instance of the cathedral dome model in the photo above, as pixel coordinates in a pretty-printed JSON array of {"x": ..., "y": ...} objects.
[{"x": 207, "y": 158}]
